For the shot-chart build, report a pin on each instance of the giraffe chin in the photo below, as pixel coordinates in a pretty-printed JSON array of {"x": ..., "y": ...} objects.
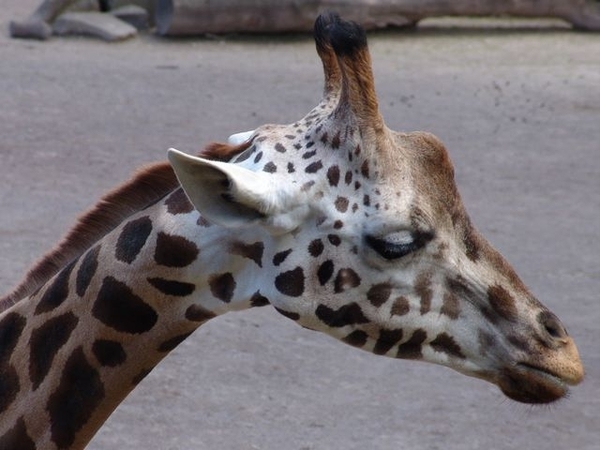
[{"x": 528, "y": 384}]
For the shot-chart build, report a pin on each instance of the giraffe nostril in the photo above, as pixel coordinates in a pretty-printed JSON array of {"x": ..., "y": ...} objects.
[{"x": 552, "y": 325}]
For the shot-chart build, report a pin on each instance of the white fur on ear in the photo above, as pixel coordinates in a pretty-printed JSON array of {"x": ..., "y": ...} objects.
[
  {"x": 239, "y": 138},
  {"x": 233, "y": 196}
]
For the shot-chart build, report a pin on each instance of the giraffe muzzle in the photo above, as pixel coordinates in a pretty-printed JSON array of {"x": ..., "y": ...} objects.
[{"x": 544, "y": 379}]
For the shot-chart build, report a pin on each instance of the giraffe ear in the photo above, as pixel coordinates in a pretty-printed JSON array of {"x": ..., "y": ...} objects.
[
  {"x": 239, "y": 138},
  {"x": 233, "y": 196}
]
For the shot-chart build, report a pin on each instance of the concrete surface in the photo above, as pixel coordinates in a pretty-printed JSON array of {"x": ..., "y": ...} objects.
[{"x": 519, "y": 110}]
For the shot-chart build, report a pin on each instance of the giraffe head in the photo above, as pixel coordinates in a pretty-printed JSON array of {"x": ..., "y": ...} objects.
[{"x": 369, "y": 239}]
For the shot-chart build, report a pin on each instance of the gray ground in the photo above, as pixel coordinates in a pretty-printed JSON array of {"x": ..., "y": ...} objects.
[{"x": 518, "y": 109}]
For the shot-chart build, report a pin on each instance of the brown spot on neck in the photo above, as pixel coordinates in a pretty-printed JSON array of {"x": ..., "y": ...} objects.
[{"x": 17, "y": 438}]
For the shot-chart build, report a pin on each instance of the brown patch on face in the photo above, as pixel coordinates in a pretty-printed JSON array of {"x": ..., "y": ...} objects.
[
  {"x": 222, "y": 286},
  {"x": 346, "y": 279},
  {"x": 281, "y": 257},
  {"x": 350, "y": 314},
  {"x": 314, "y": 167},
  {"x": 341, "y": 204},
  {"x": 471, "y": 241},
  {"x": 348, "y": 177},
  {"x": 450, "y": 306},
  {"x": 333, "y": 175},
  {"x": 306, "y": 186},
  {"x": 336, "y": 141},
  {"x": 423, "y": 290},
  {"x": 400, "y": 306},
  {"x": 387, "y": 339},
  {"x": 378, "y": 294},
  {"x": 334, "y": 239},
  {"x": 325, "y": 272},
  {"x": 519, "y": 342},
  {"x": 445, "y": 343},
  {"x": 412, "y": 349},
  {"x": 315, "y": 248},
  {"x": 291, "y": 283},
  {"x": 486, "y": 341},
  {"x": 357, "y": 338},
  {"x": 364, "y": 169},
  {"x": 270, "y": 167},
  {"x": 251, "y": 251},
  {"x": 502, "y": 302},
  {"x": 310, "y": 154}
]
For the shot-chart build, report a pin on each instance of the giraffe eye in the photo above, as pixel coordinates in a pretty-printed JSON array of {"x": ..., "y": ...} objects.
[{"x": 399, "y": 244}]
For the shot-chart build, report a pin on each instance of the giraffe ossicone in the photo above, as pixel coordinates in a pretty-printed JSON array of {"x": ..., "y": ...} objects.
[{"x": 341, "y": 224}]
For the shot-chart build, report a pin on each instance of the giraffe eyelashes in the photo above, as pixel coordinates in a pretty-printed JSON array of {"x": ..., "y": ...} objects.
[{"x": 399, "y": 244}]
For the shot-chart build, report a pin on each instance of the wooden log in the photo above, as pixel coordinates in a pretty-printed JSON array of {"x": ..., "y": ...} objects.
[{"x": 194, "y": 17}]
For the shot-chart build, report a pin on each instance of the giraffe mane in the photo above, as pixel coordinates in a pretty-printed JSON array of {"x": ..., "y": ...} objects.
[{"x": 147, "y": 185}]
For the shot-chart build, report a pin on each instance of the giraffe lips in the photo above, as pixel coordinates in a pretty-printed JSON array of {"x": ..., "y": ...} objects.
[{"x": 526, "y": 383}]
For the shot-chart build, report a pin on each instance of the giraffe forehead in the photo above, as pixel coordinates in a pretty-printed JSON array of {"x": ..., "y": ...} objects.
[{"x": 401, "y": 162}]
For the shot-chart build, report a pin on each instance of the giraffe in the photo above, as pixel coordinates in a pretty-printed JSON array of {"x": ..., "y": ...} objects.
[{"x": 341, "y": 224}]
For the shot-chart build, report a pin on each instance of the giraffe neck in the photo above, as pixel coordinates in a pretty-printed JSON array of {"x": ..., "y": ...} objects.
[{"x": 72, "y": 351}]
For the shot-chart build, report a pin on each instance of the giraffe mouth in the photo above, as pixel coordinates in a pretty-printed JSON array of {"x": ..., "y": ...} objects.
[{"x": 532, "y": 384}]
